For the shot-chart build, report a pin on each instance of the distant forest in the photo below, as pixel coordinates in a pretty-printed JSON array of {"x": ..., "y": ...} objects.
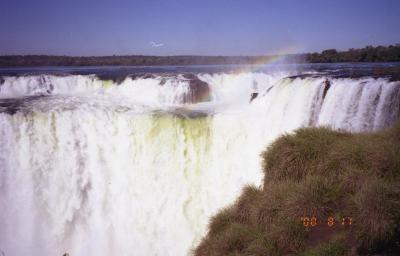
[{"x": 389, "y": 53}]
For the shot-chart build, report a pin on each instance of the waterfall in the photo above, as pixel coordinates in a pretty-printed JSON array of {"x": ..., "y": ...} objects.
[{"x": 92, "y": 167}]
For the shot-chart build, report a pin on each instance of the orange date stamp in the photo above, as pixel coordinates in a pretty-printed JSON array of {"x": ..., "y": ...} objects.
[{"x": 330, "y": 221}]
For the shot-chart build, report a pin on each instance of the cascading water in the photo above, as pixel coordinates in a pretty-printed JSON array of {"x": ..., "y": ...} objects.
[{"x": 91, "y": 167}]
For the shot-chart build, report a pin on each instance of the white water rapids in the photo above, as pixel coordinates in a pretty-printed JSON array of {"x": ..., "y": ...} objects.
[{"x": 90, "y": 167}]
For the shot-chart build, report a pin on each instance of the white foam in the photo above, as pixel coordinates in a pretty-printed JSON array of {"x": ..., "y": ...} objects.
[{"x": 89, "y": 179}]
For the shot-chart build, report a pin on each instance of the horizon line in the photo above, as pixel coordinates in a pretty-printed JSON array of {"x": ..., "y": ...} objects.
[{"x": 191, "y": 55}]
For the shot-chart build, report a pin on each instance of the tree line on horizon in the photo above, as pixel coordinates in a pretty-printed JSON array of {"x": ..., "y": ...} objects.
[{"x": 389, "y": 53}]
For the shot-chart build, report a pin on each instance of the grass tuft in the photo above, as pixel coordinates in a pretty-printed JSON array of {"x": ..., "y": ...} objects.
[
  {"x": 327, "y": 249},
  {"x": 317, "y": 172}
]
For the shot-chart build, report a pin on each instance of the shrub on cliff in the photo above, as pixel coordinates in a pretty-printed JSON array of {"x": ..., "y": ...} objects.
[{"x": 316, "y": 182}]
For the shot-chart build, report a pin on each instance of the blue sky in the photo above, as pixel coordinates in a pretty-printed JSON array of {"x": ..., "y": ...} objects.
[{"x": 203, "y": 27}]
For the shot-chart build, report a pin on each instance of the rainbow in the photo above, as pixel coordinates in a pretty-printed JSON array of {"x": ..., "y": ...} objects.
[{"x": 268, "y": 60}]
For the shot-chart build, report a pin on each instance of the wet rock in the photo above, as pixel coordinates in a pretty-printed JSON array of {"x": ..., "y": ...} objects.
[
  {"x": 147, "y": 76},
  {"x": 163, "y": 81},
  {"x": 253, "y": 96},
  {"x": 12, "y": 106},
  {"x": 116, "y": 78},
  {"x": 327, "y": 85},
  {"x": 199, "y": 90}
]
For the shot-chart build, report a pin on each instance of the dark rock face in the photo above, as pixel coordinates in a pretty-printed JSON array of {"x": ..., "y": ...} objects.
[
  {"x": 253, "y": 96},
  {"x": 9, "y": 106},
  {"x": 116, "y": 78},
  {"x": 163, "y": 81},
  {"x": 327, "y": 85},
  {"x": 12, "y": 106},
  {"x": 199, "y": 90}
]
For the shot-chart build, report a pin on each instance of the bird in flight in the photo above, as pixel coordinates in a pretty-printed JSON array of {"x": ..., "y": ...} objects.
[{"x": 155, "y": 45}]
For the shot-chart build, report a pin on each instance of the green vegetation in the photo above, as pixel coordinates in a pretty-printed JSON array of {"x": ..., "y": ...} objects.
[
  {"x": 367, "y": 54},
  {"x": 133, "y": 60},
  {"x": 317, "y": 172}
]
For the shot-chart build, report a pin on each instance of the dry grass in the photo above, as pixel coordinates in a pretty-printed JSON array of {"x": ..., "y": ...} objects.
[
  {"x": 326, "y": 249},
  {"x": 317, "y": 172}
]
